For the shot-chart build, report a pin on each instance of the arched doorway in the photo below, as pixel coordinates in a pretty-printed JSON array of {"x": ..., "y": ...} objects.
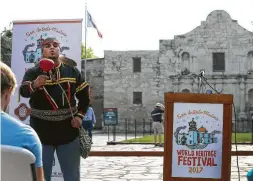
[{"x": 185, "y": 91}]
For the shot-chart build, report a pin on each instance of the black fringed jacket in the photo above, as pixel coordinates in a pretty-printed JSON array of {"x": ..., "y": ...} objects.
[{"x": 50, "y": 115}]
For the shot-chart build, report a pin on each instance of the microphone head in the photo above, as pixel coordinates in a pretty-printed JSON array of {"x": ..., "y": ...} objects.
[{"x": 46, "y": 64}]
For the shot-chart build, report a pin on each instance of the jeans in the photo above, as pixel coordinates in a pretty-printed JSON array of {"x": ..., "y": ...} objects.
[
  {"x": 69, "y": 160},
  {"x": 87, "y": 125}
]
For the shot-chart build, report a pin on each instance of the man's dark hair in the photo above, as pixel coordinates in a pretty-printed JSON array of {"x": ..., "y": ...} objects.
[{"x": 49, "y": 39}]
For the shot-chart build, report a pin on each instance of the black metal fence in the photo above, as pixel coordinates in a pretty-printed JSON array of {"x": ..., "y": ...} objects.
[
  {"x": 139, "y": 129},
  {"x": 131, "y": 128},
  {"x": 242, "y": 130}
]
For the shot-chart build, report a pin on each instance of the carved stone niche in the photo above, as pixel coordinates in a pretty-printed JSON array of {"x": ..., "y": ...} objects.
[
  {"x": 185, "y": 60},
  {"x": 250, "y": 61},
  {"x": 185, "y": 72}
]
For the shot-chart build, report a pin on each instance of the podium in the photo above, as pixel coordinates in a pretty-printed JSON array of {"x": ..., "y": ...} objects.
[{"x": 197, "y": 140}]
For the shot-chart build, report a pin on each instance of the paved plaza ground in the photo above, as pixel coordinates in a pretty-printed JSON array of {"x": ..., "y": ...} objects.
[{"x": 140, "y": 168}]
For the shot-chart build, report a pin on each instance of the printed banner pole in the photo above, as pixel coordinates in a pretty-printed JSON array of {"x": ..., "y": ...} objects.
[
  {"x": 26, "y": 52},
  {"x": 85, "y": 43}
]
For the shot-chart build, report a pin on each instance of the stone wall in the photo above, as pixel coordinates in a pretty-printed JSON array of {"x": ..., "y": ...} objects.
[
  {"x": 120, "y": 82},
  {"x": 95, "y": 78}
]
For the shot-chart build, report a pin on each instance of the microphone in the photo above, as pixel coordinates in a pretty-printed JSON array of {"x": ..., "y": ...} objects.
[{"x": 46, "y": 64}]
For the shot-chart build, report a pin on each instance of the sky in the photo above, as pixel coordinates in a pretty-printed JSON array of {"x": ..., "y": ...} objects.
[{"x": 128, "y": 24}]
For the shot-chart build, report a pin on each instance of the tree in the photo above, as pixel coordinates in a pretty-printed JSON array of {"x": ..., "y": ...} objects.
[
  {"x": 6, "y": 45},
  {"x": 89, "y": 51}
]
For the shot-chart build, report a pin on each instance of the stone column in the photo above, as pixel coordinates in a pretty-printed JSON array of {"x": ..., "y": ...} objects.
[
  {"x": 242, "y": 114},
  {"x": 174, "y": 87},
  {"x": 194, "y": 85},
  {"x": 178, "y": 85}
]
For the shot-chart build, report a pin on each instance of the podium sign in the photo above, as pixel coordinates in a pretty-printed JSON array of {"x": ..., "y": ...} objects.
[{"x": 197, "y": 137}]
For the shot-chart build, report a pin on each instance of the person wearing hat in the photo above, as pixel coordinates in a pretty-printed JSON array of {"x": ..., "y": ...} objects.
[
  {"x": 55, "y": 115},
  {"x": 157, "y": 116}
]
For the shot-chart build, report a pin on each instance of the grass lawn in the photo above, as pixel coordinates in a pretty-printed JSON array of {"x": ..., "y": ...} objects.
[{"x": 240, "y": 137}]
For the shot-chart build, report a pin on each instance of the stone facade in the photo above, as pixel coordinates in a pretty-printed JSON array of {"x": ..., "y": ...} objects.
[
  {"x": 193, "y": 52},
  {"x": 219, "y": 46},
  {"x": 120, "y": 82},
  {"x": 95, "y": 77}
]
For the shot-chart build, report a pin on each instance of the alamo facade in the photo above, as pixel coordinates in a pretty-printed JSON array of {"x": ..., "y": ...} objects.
[{"x": 133, "y": 81}]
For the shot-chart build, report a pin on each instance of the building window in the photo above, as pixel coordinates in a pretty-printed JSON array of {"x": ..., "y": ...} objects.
[
  {"x": 218, "y": 62},
  {"x": 250, "y": 60},
  {"x": 136, "y": 64},
  {"x": 185, "y": 56},
  {"x": 250, "y": 96},
  {"x": 250, "y": 54},
  {"x": 137, "y": 98}
]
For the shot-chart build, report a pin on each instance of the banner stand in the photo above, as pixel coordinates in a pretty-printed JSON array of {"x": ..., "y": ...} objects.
[{"x": 27, "y": 51}]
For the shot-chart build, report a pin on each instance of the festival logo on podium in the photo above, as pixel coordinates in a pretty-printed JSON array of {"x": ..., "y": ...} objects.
[{"x": 197, "y": 140}]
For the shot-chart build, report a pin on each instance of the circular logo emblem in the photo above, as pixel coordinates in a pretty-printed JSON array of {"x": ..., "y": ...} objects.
[{"x": 22, "y": 111}]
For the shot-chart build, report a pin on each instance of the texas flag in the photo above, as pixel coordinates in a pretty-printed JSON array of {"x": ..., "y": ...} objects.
[{"x": 90, "y": 23}]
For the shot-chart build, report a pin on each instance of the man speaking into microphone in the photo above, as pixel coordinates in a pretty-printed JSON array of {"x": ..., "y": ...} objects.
[{"x": 51, "y": 116}]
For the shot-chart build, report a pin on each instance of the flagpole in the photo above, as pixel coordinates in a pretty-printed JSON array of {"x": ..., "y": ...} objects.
[{"x": 85, "y": 42}]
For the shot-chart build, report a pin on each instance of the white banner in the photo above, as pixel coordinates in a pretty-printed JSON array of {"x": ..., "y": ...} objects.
[{"x": 26, "y": 51}]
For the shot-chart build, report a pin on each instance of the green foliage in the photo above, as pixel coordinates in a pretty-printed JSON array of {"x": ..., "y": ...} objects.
[
  {"x": 89, "y": 51},
  {"x": 6, "y": 45}
]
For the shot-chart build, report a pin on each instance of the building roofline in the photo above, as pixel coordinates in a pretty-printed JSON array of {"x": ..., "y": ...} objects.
[{"x": 94, "y": 59}]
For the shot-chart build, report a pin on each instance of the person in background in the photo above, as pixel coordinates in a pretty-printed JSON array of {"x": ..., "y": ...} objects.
[
  {"x": 89, "y": 121},
  {"x": 14, "y": 132},
  {"x": 157, "y": 117}
]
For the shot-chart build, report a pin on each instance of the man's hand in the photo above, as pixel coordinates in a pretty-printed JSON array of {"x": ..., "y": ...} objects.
[
  {"x": 40, "y": 81},
  {"x": 76, "y": 122},
  {"x": 40, "y": 174}
]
